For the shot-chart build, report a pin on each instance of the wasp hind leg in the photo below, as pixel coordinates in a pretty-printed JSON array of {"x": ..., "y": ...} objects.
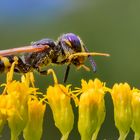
[{"x": 45, "y": 72}]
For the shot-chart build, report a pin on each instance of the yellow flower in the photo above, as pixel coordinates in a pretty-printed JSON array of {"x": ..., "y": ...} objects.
[
  {"x": 33, "y": 129},
  {"x": 91, "y": 109},
  {"x": 13, "y": 103},
  {"x": 6, "y": 109},
  {"x": 59, "y": 100},
  {"x": 122, "y": 95},
  {"x": 19, "y": 94},
  {"x": 136, "y": 114}
]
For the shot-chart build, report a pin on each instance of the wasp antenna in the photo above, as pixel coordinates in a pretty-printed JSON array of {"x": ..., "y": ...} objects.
[
  {"x": 67, "y": 73},
  {"x": 91, "y": 60}
]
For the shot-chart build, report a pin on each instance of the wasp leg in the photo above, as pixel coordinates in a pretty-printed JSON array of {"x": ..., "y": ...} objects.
[
  {"x": 67, "y": 73},
  {"x": 45, "y": 72}
]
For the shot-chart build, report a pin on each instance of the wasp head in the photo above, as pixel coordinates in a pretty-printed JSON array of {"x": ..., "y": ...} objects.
[{"x": 72, "y": 44}]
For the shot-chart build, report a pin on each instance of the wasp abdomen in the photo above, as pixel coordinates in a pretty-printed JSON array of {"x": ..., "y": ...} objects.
[{"x": 5, "y": 63}]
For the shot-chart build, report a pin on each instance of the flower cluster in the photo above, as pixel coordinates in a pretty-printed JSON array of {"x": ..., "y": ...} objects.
[
  {"x": 23, "y": 107},
  {"x": 126, "y": 109}
]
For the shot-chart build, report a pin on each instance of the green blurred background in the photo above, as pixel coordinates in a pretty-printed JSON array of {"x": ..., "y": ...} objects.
[{"x": 104, "y": 26}]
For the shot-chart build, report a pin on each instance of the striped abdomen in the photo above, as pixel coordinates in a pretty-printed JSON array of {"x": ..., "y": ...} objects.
[{"x": 5, "y": 63}]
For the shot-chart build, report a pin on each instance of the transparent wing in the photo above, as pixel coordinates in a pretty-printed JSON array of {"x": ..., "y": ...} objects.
[{"x": 24, "y": 49}]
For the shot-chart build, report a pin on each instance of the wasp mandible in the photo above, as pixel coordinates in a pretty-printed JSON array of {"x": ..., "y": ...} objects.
[{"x": 68, "y": 49}]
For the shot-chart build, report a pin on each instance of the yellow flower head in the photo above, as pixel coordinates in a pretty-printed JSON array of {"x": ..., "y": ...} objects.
[
  {"x": 13, "y": 103},
  {"x": 122, "y": 95},
  {"x": 136, "y": 114},
  {"x": 91, "y": 108},
  {"x": 6, "y": 109},
  {"x": 33, "y": 129},
  {"x": 19, "y": 94},
  {"x": 96, "y": 85},
  {"x": 59, "y": 100}
]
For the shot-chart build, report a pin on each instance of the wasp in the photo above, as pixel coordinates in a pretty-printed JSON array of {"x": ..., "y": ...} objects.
[{"x": 68, "y": 49}]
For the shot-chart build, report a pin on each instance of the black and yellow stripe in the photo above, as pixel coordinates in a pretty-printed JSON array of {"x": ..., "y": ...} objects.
[{"x": 5, "y": 63}]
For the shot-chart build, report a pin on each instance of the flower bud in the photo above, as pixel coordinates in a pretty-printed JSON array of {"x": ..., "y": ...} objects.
[
  {"x": 122, "y": 95},
  {"x": 59, "y": 101},
  {"x": 5, "y": 109},
  {"x": 136, "y": 114},
  {"x": 18, "y": 93},
  {"x": 91, "y": 109},
  {"x": 33, "y": 129}
]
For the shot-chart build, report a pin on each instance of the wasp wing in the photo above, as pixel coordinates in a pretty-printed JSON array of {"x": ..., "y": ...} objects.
[{"x": 25, "y": 49}]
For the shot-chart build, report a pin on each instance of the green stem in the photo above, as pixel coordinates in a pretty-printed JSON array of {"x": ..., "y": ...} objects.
[
  {"x": 2, "y": 123},
  {"x": 65, "y": 137},
  {"x": 95, "y": 134},
  {"x": 13, "y": 137},
  {"x": 86, "y": 137},
  {"x": 137, "y": 136},
  {"x": 122, "y": 136}
]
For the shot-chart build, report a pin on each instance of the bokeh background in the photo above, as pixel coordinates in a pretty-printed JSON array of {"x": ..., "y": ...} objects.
[{"x": 104, "y": 26}]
